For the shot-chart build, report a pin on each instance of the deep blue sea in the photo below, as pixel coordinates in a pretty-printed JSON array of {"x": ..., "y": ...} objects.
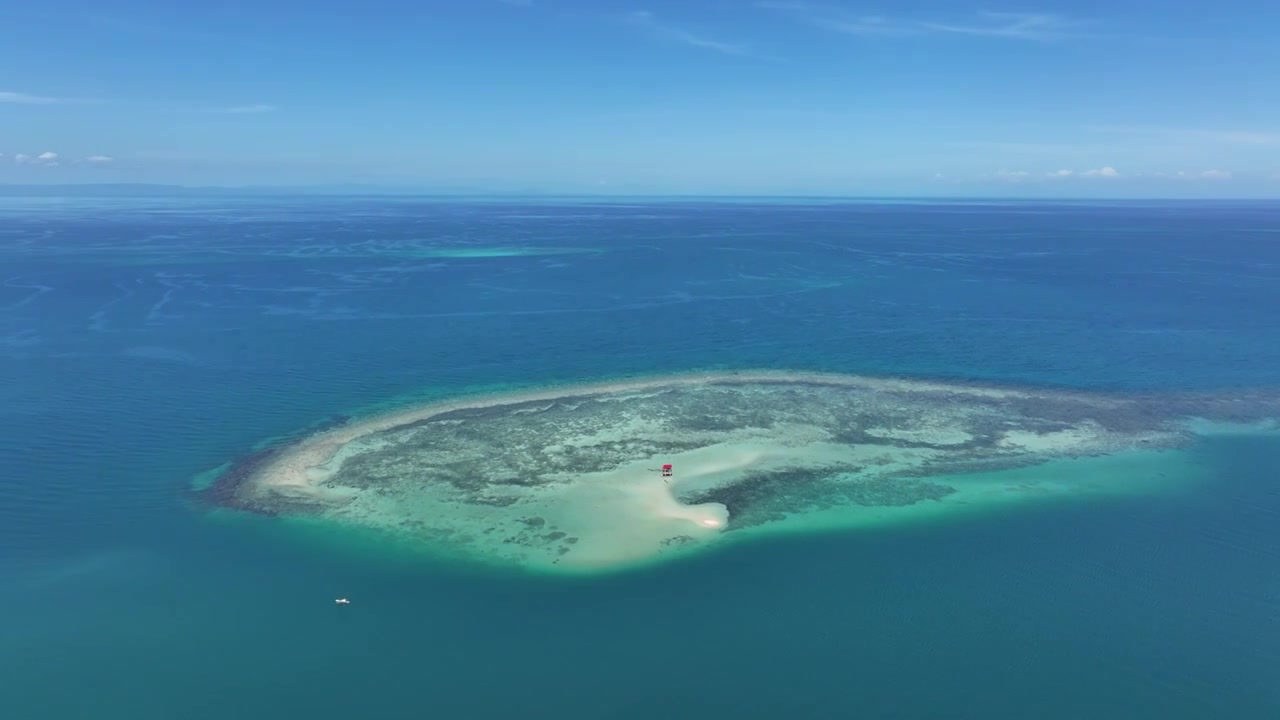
[{"x": 143, "y": 342}]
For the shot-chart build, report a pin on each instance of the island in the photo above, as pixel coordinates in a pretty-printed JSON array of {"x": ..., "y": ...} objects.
[{"x": 605, "y": 476}]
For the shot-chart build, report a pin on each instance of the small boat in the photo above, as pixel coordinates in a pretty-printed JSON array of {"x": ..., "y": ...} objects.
[{"x": 342, "y": 601}]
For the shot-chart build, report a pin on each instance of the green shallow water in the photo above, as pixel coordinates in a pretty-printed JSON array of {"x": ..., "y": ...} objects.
[{"x": 567, "y": 479}]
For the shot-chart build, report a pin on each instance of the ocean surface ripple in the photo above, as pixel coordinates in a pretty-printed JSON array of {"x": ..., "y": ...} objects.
[{"x": 145, "y": 342}]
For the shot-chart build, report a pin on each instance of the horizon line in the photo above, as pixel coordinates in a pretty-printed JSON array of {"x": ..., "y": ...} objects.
[{"x": 141, "y": 189}]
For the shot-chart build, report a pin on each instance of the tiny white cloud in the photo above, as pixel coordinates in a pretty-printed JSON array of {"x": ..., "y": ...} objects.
[
  {"x": 22, "y": 158},
  {"x": 1193, "y": 176},
  {"x": 47, "y": 157},
  {"x": 1106, "y": 172},
  {"x": 99, "y": 159},
  {"x": 1062, "y": 173},
  {"x": 1013, "y": 175}
]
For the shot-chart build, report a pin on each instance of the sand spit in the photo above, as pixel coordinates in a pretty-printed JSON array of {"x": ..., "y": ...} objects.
[{"x": 568, "y": 478}]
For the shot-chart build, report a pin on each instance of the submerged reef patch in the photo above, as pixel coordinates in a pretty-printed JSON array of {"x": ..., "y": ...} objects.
[{"x": 572, "y": 479}]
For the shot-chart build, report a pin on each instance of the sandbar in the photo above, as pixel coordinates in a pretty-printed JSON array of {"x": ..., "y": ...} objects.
[{"x": 569, "y": 479}]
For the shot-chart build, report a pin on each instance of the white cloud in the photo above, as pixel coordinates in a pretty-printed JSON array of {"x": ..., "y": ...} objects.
[
  {"x": 1106, "y": 172},
  {"x": 852, "y": 24},
  {"x": 250, "y": 109},
  {"x": 1061, "y": 173},
  {"x": 18, "y": 98},
  {"x": 1013, "y": 175},
  {"x": 1023, "y": 26},
  {"x": 44, "y": 159},
  {"x": 1192, "y": 176},
  {"x": 646, "y": 21},
  {"x": 99, "y": 159},
  {"x": 1016, "y": 26}
]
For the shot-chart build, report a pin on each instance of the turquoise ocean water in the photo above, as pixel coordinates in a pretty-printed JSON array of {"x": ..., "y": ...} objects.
[{"x": 143, "y": 342}]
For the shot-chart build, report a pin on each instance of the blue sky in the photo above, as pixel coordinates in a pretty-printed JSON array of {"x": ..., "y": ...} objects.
[{"x": 1082, "y": 98}]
